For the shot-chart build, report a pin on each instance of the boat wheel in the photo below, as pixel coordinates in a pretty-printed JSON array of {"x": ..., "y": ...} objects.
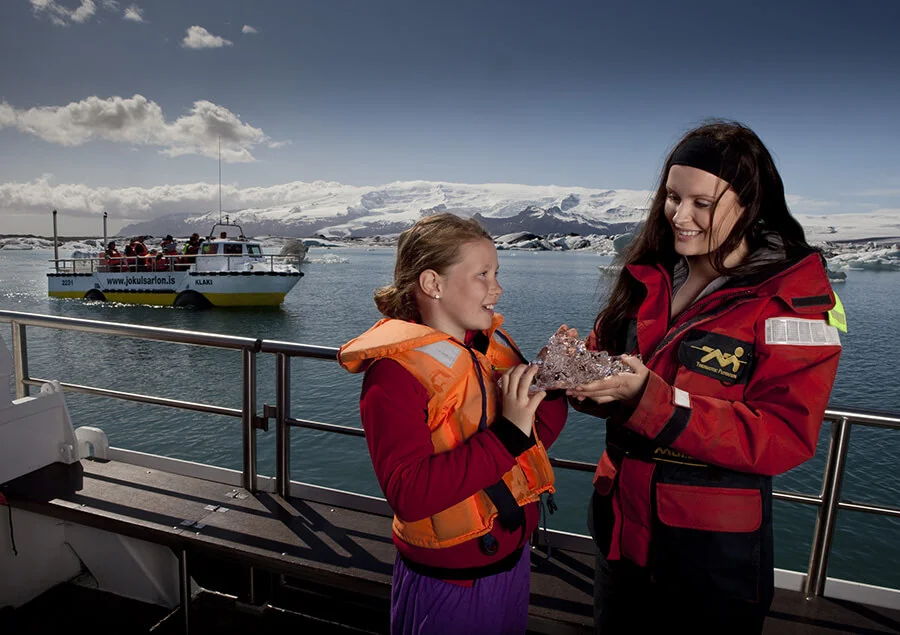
[
  {"x": 191, "y": 300},
  {"x": 95, "y": 296}
]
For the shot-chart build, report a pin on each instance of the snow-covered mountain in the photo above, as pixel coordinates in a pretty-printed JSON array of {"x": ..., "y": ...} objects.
[{"x": 336, "y": 210}]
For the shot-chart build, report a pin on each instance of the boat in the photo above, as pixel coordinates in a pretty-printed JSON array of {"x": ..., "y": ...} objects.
[
  {"x": 136, "y": 542},
  {"x": 229, "y": 270}
]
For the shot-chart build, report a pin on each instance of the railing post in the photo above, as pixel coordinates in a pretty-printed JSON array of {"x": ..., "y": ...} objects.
[
  {"x": 282, "y": 429},
  {"x": 823, "y": 534},
  {"x": 184, "y": 590},
  {"x": 248, "y": 416},
  {"x": 20, "y": 359}
]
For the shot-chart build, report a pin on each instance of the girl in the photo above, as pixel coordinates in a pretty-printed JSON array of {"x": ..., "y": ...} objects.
[
  {"x": 728, "y": 307},
  {"x": 459, "y": 455}
]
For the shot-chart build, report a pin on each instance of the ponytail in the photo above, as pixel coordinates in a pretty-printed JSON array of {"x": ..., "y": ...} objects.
[{"x": 393, "y": 303}]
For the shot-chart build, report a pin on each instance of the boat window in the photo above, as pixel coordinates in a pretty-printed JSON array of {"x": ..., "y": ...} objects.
[
  {"x": 232, "y": 249},
  {"x": 254, "y": 250},
  {"x": 209, "y": 248}
]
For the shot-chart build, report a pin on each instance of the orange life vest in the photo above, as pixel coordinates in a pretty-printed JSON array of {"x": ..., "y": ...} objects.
[{"x": 460, "y": 396}]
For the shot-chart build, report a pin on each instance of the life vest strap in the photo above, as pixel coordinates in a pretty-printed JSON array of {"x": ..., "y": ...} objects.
[
  {"x": 510, "y": 515},
  {"x": 467, "y": 573}
]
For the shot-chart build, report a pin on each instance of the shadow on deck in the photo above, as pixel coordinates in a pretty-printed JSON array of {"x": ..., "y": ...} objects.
[{"x": 265, "y": 562}]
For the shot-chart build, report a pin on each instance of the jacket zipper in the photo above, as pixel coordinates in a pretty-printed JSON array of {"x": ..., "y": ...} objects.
[{"x": 674, "y": 333}]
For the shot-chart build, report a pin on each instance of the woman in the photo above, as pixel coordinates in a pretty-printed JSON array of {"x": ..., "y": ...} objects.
[{"x": 723, "y": 308}]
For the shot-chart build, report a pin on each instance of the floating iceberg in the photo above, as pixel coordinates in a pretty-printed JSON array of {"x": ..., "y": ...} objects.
[{"x": 869, "y": 257}]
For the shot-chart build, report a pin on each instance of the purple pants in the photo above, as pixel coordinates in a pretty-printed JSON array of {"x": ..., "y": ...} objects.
[{"x": 495, "y": 605}]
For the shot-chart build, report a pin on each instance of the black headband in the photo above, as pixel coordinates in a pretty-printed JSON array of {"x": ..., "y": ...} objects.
[{"x": 709, "y": 155}]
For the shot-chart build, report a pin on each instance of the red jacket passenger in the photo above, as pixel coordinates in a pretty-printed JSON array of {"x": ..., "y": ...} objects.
[
  {"x": 737, "y": 390},
  {"x": 422, "y": 480}
]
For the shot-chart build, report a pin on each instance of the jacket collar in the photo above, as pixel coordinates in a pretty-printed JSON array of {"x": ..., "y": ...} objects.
[
  {"x": 801, "y": 282},
  {"x": 390, "y": 337}
]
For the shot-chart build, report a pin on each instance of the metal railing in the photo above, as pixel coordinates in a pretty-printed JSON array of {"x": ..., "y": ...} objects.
[
  {"x": 828, "y": 501},
  {"x": 201, "y": 263}
]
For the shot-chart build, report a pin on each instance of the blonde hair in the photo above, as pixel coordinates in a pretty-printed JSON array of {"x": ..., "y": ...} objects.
[{"x": 432, "y": 243}]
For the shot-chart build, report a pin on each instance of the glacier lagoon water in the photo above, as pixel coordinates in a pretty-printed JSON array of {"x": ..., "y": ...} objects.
[{"x": 332, "y": 303}]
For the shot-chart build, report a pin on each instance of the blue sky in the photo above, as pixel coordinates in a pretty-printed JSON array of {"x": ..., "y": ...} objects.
[{"x": 96, "y": 107}]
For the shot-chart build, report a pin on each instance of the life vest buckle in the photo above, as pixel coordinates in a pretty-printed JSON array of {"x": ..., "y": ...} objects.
[{"x": 488, "y": 544}]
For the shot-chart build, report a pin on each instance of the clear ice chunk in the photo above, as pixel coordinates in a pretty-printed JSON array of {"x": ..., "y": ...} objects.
[{"x": 566, "y": 362}]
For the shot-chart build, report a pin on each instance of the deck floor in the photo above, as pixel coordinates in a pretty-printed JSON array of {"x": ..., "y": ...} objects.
[{"x": 335, "y": 550}]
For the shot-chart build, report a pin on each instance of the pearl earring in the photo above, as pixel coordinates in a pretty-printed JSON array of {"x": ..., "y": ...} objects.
[{"x": 437, "y": 297}]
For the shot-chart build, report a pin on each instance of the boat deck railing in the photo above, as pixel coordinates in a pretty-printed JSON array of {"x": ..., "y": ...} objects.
[
  {"x": 173, "y": 262},
  {"x": 828, "y": 501}
]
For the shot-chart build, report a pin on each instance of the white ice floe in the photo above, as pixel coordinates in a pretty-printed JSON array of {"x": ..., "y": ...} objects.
[
  {"x": 870, "y": 256},
  {"x": 328, "y": 259},
  {"x": 555, "y": 242}
]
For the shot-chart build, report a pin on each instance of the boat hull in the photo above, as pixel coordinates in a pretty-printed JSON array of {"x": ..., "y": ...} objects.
[{"x": 219, "y": 288}]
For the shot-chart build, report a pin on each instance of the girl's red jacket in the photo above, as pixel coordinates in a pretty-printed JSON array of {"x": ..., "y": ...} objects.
[{"x": 418, "y": 483}]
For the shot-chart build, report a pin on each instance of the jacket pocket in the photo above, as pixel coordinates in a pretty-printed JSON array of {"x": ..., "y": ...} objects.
[
  {"x": 709, "y": 540},
  {"x": 719, "y": 509}
]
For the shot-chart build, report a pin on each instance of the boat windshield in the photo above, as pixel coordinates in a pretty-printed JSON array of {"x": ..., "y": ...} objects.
[{"x": 254, "y": 250}]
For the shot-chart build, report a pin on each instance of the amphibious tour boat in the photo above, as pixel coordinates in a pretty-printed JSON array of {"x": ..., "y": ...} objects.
[{"x": 226, "y": 270}]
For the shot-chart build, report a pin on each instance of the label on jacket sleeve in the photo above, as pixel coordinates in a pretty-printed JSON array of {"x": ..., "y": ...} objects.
[
  {"x": 799, "y": 332},
  {"x": 837, "y": 317}
]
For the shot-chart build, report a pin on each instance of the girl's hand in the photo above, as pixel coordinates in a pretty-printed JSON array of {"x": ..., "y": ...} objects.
[
  {"x": 518, "y": 405},
  {"x": 624, "y": 387}
]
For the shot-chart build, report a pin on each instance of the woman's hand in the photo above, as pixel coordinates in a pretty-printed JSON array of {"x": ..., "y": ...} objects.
[
  {"x": 518, "y": 405},
  {"x": 624, "y": 387}
]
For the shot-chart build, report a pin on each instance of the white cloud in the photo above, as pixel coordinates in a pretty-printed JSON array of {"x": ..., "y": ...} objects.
[
  {"x": 199, "y": 38},
  {"x": 886, "y": 191},
  {"x": 140, "y": 121},
  {"x": 249, "y": 29},
  {"x": 806, "y": 205},
  {"x": 62, "y": 15},
  {"x": 134, "y": 13},
  {"x": 76, "y": 199}
]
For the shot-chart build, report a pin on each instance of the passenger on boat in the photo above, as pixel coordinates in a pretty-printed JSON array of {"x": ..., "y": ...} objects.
[
  {"x": 140, "y": 249},
  {"x": 191, "y": 248},
  {"x": 130, "y": 260},
  {"x": 456, "y": 439},
  {"x": 159, "y": 260},
  {"x": 113, "y": 257},
  {"x": 725, "y": 312},
  {"x": 168, "y": 245},
  {"x": 141, "y": 253}
]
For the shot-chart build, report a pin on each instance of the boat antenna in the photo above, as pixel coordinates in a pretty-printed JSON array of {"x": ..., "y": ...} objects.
[{"x": 220, "y": 178}]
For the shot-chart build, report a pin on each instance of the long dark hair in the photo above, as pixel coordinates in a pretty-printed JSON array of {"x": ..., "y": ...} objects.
[{"x": 766, "y": 222}]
